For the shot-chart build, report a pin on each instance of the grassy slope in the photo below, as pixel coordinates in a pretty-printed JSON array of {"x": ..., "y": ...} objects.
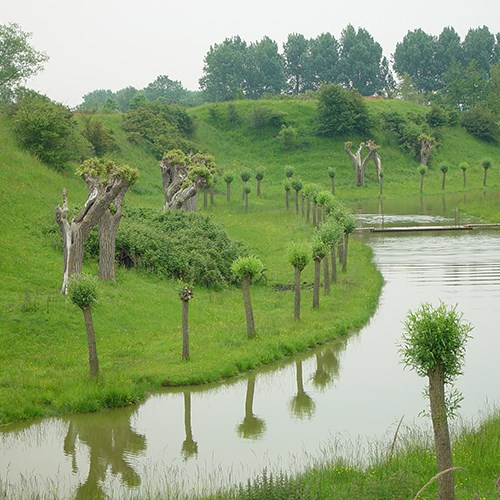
[{"x": 42, "y": 339}]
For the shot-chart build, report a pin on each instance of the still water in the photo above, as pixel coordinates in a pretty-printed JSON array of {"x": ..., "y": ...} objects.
[{"x": 337, "y": 401}]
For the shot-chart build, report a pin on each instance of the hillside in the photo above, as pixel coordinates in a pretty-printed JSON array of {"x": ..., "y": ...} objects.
[{"x": 43, "y": 347}]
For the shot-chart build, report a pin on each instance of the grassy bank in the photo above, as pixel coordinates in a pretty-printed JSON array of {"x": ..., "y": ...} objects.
[
  {"x": 138, "y": 320},
  {"x": 393, "y": 474}
]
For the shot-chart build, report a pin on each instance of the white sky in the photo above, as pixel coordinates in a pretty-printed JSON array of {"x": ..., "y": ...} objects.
[{"x": 94, "y": 44}]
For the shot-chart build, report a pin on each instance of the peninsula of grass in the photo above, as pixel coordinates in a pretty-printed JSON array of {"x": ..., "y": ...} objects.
[{"x": 43, "y": 349}]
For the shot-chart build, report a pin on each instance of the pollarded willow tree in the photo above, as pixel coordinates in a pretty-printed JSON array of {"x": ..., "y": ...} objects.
[
  {"x": 319, "y": 250},
  {"x": 426, "y": 143},
  {"x": 360, "y": 163},
  {"x": 433, "y": 345},
  {"x": 298, "y": 256},
  {"x": 183, "y": 176},
  {"x": 106, "y": 181},
  {"x": 247, "y": 269},
  {"x": 185, "y": 294}
]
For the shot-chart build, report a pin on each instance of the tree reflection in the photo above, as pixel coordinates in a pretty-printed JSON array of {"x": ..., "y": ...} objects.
[
  {"x": 252, "y": 427},
  {"x": 327, "y": 368},
  {"x": 189, "y": 445},
  {"x": 301, "y": 405},
  {"x": 110, "y": 440}
]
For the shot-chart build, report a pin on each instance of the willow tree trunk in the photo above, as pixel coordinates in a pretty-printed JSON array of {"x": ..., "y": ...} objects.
[
  {"x": 421, "y": 183},
  {"x": 340, "y": 249},
  {"x": 245, "y": 286},
  {"x": 302, "y": 205},
  {"x": 446, "y": 482},
  {"x": 317, "y": 272},
  {"x": 205, "y": 198},
  {"x": 287, "y": 198},
  {"x": 246, "y": 202},
  {"x": 258, "y": 187},
  {"x": 425, "y": 151},
  {"x": 333, "y": 184},
  {"x": 92, "y": 348},
  {"x": 296, "y": 294},
  {"x": 296, "y": 203},
  {"x": 465, "y": 178},
  {"x": 334, "y": 263},
  {"x": 212, "y": 196},
  {"x": 185, "y": 329},
  {"x": 484, "y": 177},
  {"x": 344, "y": 257},
  {"x": 444, "y": 180},
  {"x": 326, "y": 275},
  {"x": 315, "y": 214},
  {"x": 308, "y": 210},
  {"x": 228, "y": 191}
]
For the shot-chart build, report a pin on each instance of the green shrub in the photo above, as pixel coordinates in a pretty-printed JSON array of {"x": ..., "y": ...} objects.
[
  {"x": 481, "y": 123},
  {"x": 47, "y": 130},
  {"x": 101, "y": 139},
  {"x": 175, "y": 245},
  {"x": 341, "y": 112},
  {"x": 264, "y": 116},
  {"x": 288, "y": 137}
]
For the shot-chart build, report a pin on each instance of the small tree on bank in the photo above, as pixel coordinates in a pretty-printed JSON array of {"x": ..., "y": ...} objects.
[
  {"x": 228, "y": 178},
  {"x": 422, "y": 170},
  {"x": 434, "y": 346},
  {"x": 318, "y": 252},
  {"x": 463, "y": 167},
  {"x": 331, "y": 174},
  {"x": 298, "y": 256},
  {"x": 259, "y": 175},
  {"x": 246, "y": 192},
  {"x": 185, "y": 294},
  {"x": 297, "y": 187},
  {"x": 287, "y": 187},
  {"x": 444, "y": 169},
  {"x": 246, "y": 270},
  {"x": 82, "y": 291},
  {"x": 486, "y": 164},
  {"x": 330, "y": 234}
]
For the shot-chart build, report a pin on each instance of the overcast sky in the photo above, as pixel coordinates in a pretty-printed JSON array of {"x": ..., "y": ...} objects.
[{"x": 108, "y": 44}]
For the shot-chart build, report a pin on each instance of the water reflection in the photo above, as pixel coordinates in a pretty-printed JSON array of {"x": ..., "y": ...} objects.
[
  {"x": 301, "y": 405},
  {"x": 327, "y": 367},
  {"x": 189, "y": 445},
  {"x": 252, "y": 426}
]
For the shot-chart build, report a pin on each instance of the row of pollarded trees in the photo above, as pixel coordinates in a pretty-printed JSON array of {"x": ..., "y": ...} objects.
[{"x": 486, "y": 164}]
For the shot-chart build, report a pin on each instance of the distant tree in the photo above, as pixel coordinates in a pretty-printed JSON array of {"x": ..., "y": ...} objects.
[
  {"x": 479, "y": 45},
  {"x": 288, "y": 137},
  {"x": 444, "y": 168},
  {"x": 319, "y": 250},
  {"x": 259, "y": 175},
  {"x": 360, "y": 62},
  {"x": 331, "y": 174},
  {"x": 82, "y": 291},
  {"x": 323, "y": 60},
  {"x": 481, "y": 123},
  {"x": 297, "y": 186},
  {"x": 246, "y": 192},
  {"x": 246, "y": 270},
  {"x": 264, "y": 69},
  {"x": 245, "y": 176},
  {"x": 422, "y": 170},
  {"x": 433, "y": 345},
  {"x": 486, "y": 164},
  {"x": 448, "y": 50},
  {"x": 296, "y": 55},
  {"x": 289, "y": 171},
  {"x": 185, "y": 294},
  {"x": 183, "y": 176},
  {"x": 414, "y": 56},
  {"x": 165, "y": 88},
  {"x": 463, "y": 167},
  {"x": 123, "y": 97},
  {"x": 224, "y": 70},
  {"x": 228, "y": 178},
  {"x": 101, "y": 139},
  {"x": 287, "y": 186},
  {"x": 426, "y": 142},
  {"x": 360, "y": 163},
  {"x": 96, "y": 100},
  {"x": 298, "y": 256},
  {"x": 18, "y": 59},
  {"x": 341, "y": 112}
]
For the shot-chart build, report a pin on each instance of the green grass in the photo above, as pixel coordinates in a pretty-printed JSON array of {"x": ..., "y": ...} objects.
[{"x": 398, "y": 476}]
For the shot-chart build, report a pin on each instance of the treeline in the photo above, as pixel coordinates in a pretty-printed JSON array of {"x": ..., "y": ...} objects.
[{"x": 460, "y": 73}]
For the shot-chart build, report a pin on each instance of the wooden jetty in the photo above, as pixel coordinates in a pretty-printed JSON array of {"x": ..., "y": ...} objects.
[{"x": 407, "y": 229}]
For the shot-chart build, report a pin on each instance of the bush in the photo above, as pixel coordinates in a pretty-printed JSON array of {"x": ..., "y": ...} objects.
[
  {"x": 264, "y": 116},
  {"x": 481, "y": 123},
  {"x": 102, "y": 140},
  {"x": 175, "y": 245},
  {"x": 341, "y": 112},
  {"x": 288, "y": 137},
  {"x": 162, "y": 126},
  {"x": 47, "y": 130}
]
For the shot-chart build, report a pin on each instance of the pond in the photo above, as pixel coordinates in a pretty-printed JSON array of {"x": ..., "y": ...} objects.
[{"x": 336, "y": 401}]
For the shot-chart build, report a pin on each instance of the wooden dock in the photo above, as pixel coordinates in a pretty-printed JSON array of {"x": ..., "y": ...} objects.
[{"x": 407, "y": 229}]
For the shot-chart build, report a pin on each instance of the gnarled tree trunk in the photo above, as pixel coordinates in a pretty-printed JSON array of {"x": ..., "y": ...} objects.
[
  {"x": 245, "y": 286},
  {"x": 177, "y": 197},
  {"x": 425, "y": 151},
  {"x": 89, "y": 328}
]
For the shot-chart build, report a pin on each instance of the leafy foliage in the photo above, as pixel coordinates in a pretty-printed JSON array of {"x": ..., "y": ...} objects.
[
  {"x": 298, "y": 255},
  {"x": 47, "y": 130},
  {"x": 82, "y": 290},
  {"x": 481, "y": 123},
  {"x": 247, "y": 268},
  {"x": 18, "y": 60},
  {"x": 101, "y": 139},
  {"x": 162, "y": 126},
  {"x": 435, "y": 337},
  {"x": 174, "y": 245},
  {"x": 341, "y": 112}
]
